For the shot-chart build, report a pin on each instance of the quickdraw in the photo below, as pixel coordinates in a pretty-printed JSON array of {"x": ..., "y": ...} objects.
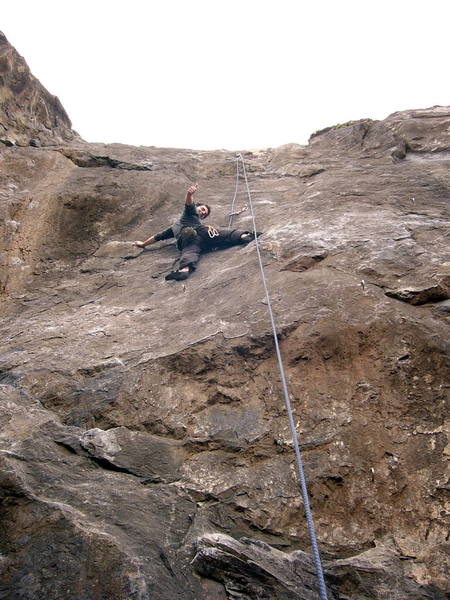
[{"x": 238, "y": 212}]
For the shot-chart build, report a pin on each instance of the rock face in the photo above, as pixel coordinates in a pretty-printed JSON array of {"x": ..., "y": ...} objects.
[
  {"x": 29, "y": 114},
  {"x": 144, "y": 445}
]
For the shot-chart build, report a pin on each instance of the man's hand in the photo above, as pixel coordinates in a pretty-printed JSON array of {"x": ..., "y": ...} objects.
[
  {"x": 150, "y": 240},
  {"x": 191, "y": 191}
]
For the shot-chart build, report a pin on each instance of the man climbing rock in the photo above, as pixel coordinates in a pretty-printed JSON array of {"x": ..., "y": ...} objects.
[{"x": 193, "y": 238}]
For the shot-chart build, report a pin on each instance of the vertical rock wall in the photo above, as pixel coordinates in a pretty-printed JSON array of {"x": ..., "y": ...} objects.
[{"x": 144, "y": 445}]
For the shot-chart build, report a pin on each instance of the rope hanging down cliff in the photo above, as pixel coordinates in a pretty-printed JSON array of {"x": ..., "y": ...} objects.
[{"x": 299, "y": 461}]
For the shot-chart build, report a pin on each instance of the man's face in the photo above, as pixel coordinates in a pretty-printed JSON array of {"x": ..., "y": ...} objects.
[{"x": 202, "y": 211}]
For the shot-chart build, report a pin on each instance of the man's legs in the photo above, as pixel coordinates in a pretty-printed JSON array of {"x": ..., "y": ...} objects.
[
  {"x": 190, "y": 245},
  {"x": 230, "y": 237},
  {"x": 193, "y": 241},
  {"x": 190, "y": 255}
]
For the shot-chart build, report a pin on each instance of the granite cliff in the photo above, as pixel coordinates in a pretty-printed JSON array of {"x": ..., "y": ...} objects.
[{"x": 144, "y": 444}]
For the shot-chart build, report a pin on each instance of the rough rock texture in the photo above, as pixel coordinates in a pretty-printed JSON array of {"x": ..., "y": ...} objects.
[
  {"x": 142, "y": 424},
  {"x": 252, "y": 569},
  {"x": 29, "y": 114}
]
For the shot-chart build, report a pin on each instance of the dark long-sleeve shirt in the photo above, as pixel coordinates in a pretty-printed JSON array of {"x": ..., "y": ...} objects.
[{"x": 189, "y": 218}]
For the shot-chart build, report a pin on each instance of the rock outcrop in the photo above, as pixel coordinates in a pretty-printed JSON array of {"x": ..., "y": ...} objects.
[
  {"x": 29, "y": 114},
  {"x": 144, "y": 446}
]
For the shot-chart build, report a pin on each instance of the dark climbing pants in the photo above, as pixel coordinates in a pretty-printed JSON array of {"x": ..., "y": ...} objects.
[{"x": 193, "y": 242}]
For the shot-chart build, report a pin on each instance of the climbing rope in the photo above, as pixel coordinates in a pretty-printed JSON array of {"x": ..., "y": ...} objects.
[
  {"x": 233, "y": 212},
  {"x": 236, "y": 187},
  {"x": 299, "y": 462}
]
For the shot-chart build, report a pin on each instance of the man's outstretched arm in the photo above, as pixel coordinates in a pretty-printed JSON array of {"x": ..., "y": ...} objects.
[
  {"x": 190, "y": 193},
  {"x": 164, "y": 235},
  {"x": 147, "y": 242}
]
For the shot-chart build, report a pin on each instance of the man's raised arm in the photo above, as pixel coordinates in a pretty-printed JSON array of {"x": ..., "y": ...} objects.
[{"x": 189, "y": 194}]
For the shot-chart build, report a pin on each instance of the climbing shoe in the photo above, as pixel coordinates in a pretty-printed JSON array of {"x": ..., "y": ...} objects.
[
  {"x": 178, "y": 275},
  {"x": 249, "y": 236}
]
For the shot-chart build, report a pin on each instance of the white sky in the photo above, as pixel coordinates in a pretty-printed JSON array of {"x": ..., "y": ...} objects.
[{"x": 236, "y": 74}]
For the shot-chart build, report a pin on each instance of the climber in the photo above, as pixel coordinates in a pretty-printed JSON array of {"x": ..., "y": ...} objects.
[{"x": 193, "y": 238}]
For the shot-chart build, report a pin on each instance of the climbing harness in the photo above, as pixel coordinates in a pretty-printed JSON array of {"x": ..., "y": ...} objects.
[
  {"x": 299, "y": 461},
  {"x": 212, "y": 232}
]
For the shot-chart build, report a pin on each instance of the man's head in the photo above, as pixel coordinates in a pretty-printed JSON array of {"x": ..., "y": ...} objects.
[{"x": 203, "y": 211}]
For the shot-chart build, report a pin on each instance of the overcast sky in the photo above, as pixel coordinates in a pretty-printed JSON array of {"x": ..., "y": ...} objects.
[{"x": 240, "y": 74}]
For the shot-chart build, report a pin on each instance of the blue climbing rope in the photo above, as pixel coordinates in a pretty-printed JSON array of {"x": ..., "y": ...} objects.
[{"x": 299, "y": 462}]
